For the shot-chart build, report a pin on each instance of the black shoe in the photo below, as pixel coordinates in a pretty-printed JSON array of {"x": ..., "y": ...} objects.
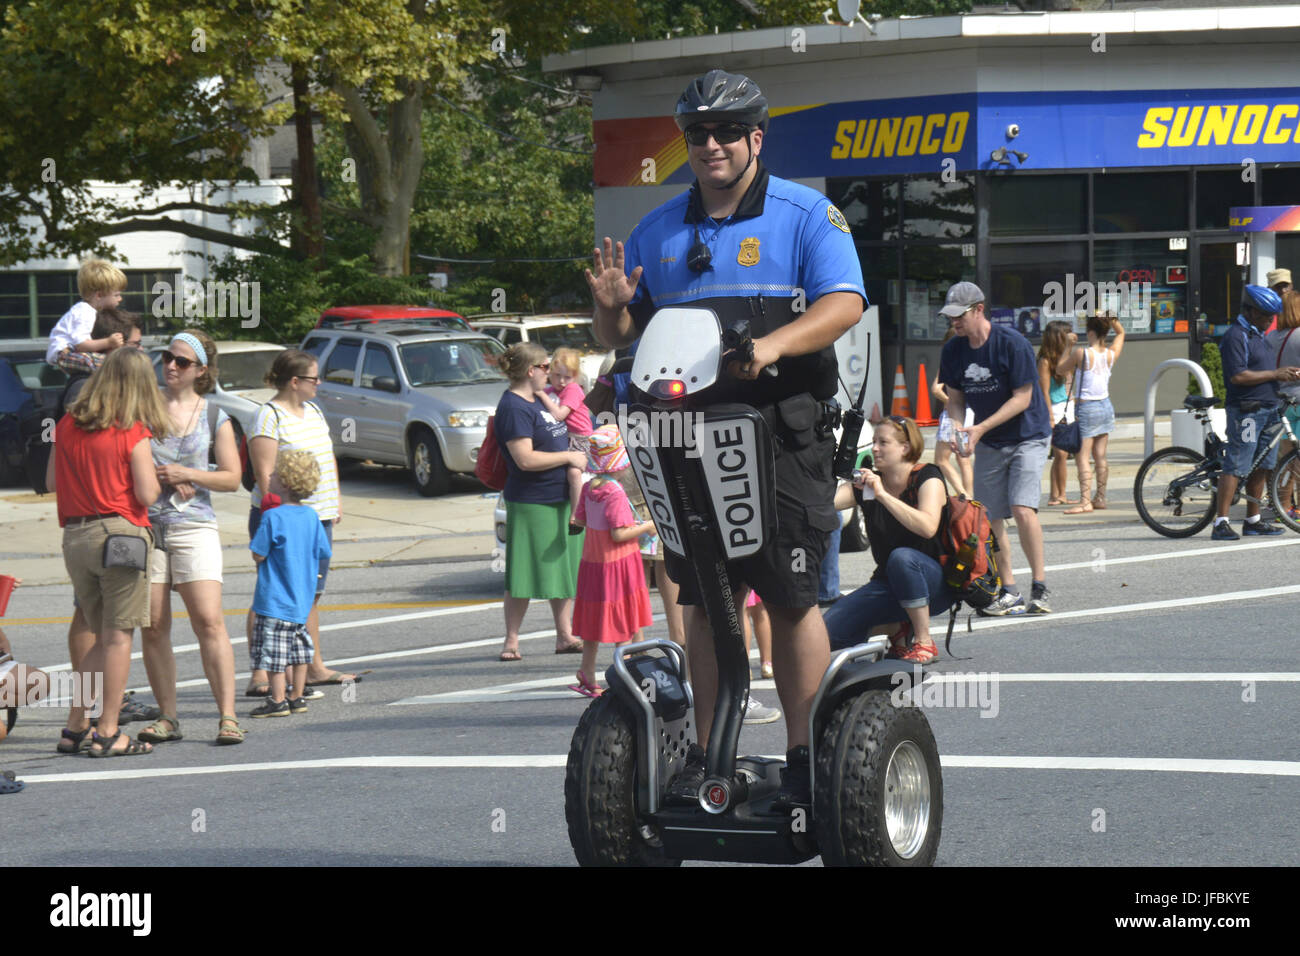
[
  {"x": 796, "y": 782},
  {"x": 298, "y": 706},
  {"x": 684, "y": 789},
  {"x": 133, "y": 710}
]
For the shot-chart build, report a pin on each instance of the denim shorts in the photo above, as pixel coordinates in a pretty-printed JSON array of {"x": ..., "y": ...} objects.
[
  {"x": 1240, "y": 453},
  {"x": 1096, "y": 417}
]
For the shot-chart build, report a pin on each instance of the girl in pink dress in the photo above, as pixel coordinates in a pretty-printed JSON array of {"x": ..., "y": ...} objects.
[{"x": 613, "y": 602}]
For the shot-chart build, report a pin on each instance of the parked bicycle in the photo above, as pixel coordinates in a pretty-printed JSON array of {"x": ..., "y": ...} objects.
[{"x": 1175, "y": 488}]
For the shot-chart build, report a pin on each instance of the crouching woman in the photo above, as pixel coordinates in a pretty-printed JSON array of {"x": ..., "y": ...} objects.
[{"x": 903, "y": 502}]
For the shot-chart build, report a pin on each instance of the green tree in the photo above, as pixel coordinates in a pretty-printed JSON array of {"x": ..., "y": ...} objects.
[{"x": 1212, "y": 362}]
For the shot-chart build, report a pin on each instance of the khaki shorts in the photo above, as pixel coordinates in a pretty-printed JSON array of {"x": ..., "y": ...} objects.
[
  {"x": 193, "y": 554},
  {"x": 110, "y": 598}
]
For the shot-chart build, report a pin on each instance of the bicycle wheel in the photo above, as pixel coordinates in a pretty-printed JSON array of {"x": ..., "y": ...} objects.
[
  {"x": 1175, "y": 512},
  {"x": 1284, "y": 488}
]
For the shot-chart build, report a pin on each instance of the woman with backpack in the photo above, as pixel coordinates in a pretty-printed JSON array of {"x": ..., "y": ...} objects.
[
  {"x": 292, "y": 421},
  {"x": 187, "y": 541},
  {"x": 902, "y": 501}
]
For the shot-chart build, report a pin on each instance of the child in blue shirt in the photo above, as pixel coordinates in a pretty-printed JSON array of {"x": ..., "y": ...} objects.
[{"x": 288, "y": 547}]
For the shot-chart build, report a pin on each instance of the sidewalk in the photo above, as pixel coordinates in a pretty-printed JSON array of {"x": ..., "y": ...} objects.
[{"x": 386, "y": 522}]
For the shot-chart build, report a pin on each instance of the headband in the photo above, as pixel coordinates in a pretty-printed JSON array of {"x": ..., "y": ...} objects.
[{"x": 193, "y": 343}]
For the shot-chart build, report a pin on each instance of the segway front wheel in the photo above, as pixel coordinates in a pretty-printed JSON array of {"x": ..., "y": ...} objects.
[
  {"x": 879, "y": 791},
  {"x": 600, "y": 792}
]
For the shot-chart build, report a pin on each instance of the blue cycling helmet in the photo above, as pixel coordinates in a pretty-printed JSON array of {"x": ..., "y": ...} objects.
[{"x": 1261, "y": 298}]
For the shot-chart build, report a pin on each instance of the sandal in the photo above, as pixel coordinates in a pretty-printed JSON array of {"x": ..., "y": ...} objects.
[
  {"x": 572, "y": 648},
  {"x": 920, "y": 653},
  {"x": 899, "y": 641},
  {"x": 765, "y": 670},
  {"x": 585, "y": 687},
  {"x": 156, "y": 733},
  {"x": 1083, "y": 509},
  {"x": 105, "y": 744},
  {"x": 335, "y": 677},
  {"x": 510, "y": 654},
  {"x": 229, "y": 735},
  {"x": 74, "y": 742},
  {"x": 258, "y": 690},
  {"x": 1055, "y": 502}
]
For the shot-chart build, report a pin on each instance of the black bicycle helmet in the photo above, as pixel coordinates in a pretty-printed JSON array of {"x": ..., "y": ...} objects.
[{"x": 721, "y": 97}]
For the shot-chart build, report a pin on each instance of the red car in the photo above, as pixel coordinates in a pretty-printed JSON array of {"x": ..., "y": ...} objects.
[{"x": 369, "y": 314}]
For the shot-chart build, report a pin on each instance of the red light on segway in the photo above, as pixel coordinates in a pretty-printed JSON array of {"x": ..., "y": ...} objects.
[{"x": 668, "y": 388}]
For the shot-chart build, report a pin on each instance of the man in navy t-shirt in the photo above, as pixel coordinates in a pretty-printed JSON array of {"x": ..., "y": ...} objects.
[{"x": 991, "y": 370}]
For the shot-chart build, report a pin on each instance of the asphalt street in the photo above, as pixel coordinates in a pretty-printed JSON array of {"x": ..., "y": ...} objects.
[{"x": 1149, "y": 721}]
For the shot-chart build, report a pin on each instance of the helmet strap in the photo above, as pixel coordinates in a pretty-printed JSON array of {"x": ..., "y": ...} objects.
[{"x": 750, "y": 144}]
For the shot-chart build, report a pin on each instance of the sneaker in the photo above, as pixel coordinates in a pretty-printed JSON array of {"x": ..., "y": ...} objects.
[
  {"x": 756, "y": 713},
  {"x": 1006, "y": 604},
  {"x": 310, "y": 693},
  {"x": 1223, "y": 532},
  {"x": 684, "y": 789},
  {"x": 298, "y": 706},
  {"x": 796, "y": 782},
  {"x": 271, "y": 709},
  {"x": 1262, "y": 527},
  {"x": 1038, "y": 603},
  {"x": 134, "y": 710}
]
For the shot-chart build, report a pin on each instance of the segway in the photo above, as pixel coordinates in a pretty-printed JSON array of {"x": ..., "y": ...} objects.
[{"x": 708, "y": 478}]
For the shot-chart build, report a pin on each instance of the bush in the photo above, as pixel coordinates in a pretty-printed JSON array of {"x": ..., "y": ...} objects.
[{"x": 1212, "y": 362}]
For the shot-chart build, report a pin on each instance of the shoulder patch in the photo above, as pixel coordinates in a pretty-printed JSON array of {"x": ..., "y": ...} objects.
[{"x": 837, "y": 218}]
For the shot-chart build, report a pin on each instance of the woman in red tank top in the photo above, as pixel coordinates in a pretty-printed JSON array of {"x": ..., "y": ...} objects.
[{"x": 103, "y": 473}]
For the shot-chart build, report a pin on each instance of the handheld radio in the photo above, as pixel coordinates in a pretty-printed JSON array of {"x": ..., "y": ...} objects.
[{"x": 846, "y": 455}]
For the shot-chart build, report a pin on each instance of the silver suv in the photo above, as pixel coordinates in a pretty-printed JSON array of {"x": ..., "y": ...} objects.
[{"x": 409, "y": 395}]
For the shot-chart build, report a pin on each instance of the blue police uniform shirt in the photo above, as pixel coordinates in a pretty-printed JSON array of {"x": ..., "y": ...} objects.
[
  {"x": 784, "y": 247},
  {"x": 519, "y": 418},
  {"x": 293, "y": 540},
  {"x": 988, "y": 375},
  {"x": 1246, "y": 349}
]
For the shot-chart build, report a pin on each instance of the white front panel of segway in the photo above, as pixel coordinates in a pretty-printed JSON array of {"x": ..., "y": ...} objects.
[
  {"x": 682, "y": 345},
  {"x": 728, "y": 454},
  {"x": 652, "y": 478}
]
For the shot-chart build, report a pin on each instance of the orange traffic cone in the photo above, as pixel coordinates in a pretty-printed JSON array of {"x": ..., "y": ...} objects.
[
  {"x": 875, "y": 417},
  {"x": 902, "y": 405},
  {"x": 924, "y": 417}
]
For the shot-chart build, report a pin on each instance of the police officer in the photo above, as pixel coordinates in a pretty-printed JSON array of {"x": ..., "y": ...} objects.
[{"x": 749, "y": 245}]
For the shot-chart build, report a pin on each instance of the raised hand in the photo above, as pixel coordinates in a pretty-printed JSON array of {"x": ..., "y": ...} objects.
[{"x": 611, "y": 288}]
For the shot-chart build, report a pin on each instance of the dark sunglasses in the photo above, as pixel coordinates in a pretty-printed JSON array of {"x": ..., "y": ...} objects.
[
  {"x": 699, "y": 136},
  {"x": 314, "y": 379},
  {"x": 545, "y": 367},
  {"x": 180, "y": 361}
]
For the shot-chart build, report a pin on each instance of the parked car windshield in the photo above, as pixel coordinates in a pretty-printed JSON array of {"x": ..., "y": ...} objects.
[
  {"x": 36, "y": 374},
  {"x": 576, "y": 336},
  {"x": 452, "y": 363},
  {"x": 241, "y": 370}
]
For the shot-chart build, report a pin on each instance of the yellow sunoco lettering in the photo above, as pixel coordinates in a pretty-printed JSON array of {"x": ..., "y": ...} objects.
[
  {"x": 929, "y": 145},
  {"x": 1218, "y": 124},
  {"x": 911, "y": 133},
  {"x": 842, "y": 133},
  {"x": 862, "y": 140},
  {"x": 952, "y": 140},
  {"x": 1249, "y": 123},
  {"x": 1272, "y": 135},
  {"x": 1154, "y": 132},
  {"x": 887, "y": 136},
  {"x": 1183, "y": 130}
]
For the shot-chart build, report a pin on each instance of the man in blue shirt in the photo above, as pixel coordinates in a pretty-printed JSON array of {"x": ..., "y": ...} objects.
[
  {"x": 992, "y": 371},
  {"x": 749, "y": 245},
  {"x": 1250, "y": 376}
]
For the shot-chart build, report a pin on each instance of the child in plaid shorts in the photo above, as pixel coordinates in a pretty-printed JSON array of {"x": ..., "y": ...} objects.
[{"x": 288, "y": 547}]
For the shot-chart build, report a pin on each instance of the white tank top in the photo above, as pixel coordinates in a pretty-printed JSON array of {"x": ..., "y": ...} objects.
[{"x": 1096, "y": 380}]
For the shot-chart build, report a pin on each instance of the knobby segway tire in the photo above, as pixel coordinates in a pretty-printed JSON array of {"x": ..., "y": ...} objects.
[
  {"x": 1195, "y": 503},
  {"x": 600, "y": 791},
  {"x": 877, "y": 772},
  {"x": 1286, "y": 479}
]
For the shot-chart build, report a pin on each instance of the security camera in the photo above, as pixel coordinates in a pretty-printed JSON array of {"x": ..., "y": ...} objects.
[{"x": 1013, "y": 131}]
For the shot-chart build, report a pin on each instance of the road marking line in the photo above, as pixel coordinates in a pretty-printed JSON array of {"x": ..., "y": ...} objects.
[
  {"x": 243, "y": 611},
  {"x": 1167, "y": 555},
  {"x": 1278, "y": 768}
]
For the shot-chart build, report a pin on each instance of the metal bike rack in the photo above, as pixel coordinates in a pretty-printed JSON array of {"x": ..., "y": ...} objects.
[{"x": 1149, "y": 414}]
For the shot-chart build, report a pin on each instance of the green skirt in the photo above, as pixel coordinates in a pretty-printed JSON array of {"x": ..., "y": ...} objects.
[{"x": 541, "y": 556}]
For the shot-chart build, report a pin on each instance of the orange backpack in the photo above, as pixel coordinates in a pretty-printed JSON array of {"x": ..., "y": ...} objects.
[{"x": 969, "y": 558}]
